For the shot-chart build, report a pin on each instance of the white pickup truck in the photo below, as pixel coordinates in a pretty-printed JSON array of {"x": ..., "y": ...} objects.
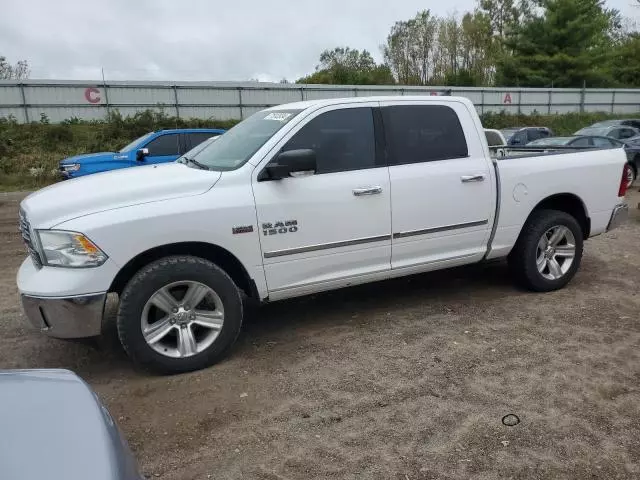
[{"x": 295, "y": 200}]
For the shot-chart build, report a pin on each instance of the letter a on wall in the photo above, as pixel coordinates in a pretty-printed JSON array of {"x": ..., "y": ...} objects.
[{"x": 507, "y": 98}]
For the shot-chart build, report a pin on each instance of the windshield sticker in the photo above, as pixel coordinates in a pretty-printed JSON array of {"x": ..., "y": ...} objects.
[{"x": 277, "y": 116}]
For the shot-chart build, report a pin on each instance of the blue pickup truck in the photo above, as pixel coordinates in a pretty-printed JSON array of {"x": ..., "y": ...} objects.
[{"x": 155, "y": 147}]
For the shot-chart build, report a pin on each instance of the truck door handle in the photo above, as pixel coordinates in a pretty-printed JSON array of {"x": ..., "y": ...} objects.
[
  {"x": 473, "y": 178},
  {"x": 359, "y": 192}
]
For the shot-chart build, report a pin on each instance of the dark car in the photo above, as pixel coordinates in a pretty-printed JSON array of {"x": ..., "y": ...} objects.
[
  {"x": 626, "y": 122},
  {"x": 592, "y": 141},
  {"x": 55, "y": 427},
  {"x": 524, "y": 135},
  {"x": 619, "y": 132},
  {"x": 631, "y": 147}
]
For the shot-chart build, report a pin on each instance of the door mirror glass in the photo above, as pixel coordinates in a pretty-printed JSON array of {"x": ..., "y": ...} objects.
[
  {"x": 141, "y": 153},
  {"x": 290, "y": 162}
]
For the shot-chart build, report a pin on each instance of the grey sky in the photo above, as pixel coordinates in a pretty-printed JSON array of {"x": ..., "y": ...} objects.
[{"x": 200, "y": 39}]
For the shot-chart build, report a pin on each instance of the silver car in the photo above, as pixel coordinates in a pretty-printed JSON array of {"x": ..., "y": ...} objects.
[{"x": 54, "y": 427}]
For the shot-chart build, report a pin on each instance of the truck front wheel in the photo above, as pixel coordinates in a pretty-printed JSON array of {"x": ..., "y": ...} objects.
[
  {"x": 548, "y": 252},
  {"x": 179, "y": 314}
]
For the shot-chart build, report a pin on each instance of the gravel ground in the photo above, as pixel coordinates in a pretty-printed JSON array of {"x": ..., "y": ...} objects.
[{"x": 406, "y": 379}]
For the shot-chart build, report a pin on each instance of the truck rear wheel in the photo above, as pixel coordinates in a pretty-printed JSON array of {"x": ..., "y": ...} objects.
[
  {"x": 179, "y": 314},
  {"x": 548, "y": 252}
]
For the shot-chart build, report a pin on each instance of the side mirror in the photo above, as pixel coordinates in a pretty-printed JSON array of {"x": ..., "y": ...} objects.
[
  {"x": 290, "y": 162},
  {"x": 141, "y": 153}
]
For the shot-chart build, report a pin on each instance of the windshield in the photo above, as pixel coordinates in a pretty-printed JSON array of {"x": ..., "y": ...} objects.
[
  {"x": 551, "y": 141},
  {"x": 135, "y": 143},
  {"x": 508, "y": 132},
  {"x": 600, "y": 132},
  {"x": 237, "y": 146}
]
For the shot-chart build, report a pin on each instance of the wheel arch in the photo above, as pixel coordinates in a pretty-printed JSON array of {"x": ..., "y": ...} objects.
[
  {"x": 214, "y": 253},
  {"x": 570, "y": 204}
]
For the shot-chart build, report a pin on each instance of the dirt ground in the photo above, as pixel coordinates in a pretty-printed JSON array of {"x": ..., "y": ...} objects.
[{"x": 404, "y": 380}]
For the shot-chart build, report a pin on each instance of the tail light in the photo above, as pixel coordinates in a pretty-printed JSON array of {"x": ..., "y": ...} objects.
[{"x": 624, "y": 181}]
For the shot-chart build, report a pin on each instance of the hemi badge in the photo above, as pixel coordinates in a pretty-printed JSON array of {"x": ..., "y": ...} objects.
[{"x": 246, "y": 229}]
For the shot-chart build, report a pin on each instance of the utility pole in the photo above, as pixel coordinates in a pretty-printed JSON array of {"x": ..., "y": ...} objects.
[{"x": 106, "y": 93}]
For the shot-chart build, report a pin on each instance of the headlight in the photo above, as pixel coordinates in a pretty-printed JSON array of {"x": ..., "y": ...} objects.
[
  {"x": 70, "y": 167},
  {"x": 68, "y": 249}
]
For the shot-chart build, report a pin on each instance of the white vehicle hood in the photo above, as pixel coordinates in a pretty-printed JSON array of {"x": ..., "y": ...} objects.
[{"x": 82, "y": 196}]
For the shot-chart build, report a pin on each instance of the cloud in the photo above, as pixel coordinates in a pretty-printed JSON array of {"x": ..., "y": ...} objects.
[{"x": 196, "y": 39}]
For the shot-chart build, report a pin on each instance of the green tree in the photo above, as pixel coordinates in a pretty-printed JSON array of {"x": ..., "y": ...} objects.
[
  {"x": 625, "y": 61},
  {"x": 563, "y": 46},
  {"x": 400, "y": 53},
  {"x": 346, "y": 66},
  {"x": 19, "y": 71},
  {"x": 477, "y": 50},
  {"x": 504, "y": 15},
  {"x": 450, "y": 45},
  {"x": 428, "y": 50}
]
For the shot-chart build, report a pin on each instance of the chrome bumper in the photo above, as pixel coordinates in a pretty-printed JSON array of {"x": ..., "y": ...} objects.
[
  {"x": 69, "y": 317},
  {"x": 619, "y": 216}
]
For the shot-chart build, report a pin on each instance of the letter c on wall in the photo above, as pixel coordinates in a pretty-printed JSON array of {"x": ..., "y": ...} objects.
[{"x": 92, "y": 95}]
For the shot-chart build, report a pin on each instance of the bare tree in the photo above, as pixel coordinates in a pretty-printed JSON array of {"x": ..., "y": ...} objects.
[
  {"x": 19, "y": 71},
  {"x": 397, "y": 52},
  {"x": 424, "y": 31}
]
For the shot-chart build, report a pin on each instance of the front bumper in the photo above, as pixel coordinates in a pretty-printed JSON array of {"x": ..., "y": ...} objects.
[
  {"x": 66, "y": 317},
  {"x": 64, "y": 175},
  {"x": 619, "y": 216}
]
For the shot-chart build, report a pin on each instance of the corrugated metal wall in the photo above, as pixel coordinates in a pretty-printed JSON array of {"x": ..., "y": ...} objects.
[{"x": 60, "y": 100}]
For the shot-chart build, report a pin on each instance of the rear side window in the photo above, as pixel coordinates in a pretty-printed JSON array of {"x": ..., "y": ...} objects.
[
  {"x": 342, "y": 139},
  {"x": 196, "y": 139},
  {"x": 615, "y": 133},
  {"x": 423, "y": 133},
  {"x": 164, "y": 145},
  {"x": 626, "y": 133}
]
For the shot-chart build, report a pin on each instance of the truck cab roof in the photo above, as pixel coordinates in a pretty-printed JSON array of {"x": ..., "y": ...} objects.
[{"x": 326, "y": 102}]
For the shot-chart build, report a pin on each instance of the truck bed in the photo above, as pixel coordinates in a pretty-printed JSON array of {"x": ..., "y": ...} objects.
[{"x": 524, "y": 181}]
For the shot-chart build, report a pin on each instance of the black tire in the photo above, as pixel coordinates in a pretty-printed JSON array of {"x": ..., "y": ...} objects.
[
  {"x": 159, "y": 274},
  {"x": 522, "y": 259}
]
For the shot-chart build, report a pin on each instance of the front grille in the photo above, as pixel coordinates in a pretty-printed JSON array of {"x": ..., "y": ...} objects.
[{"x": 25, "y": 231}]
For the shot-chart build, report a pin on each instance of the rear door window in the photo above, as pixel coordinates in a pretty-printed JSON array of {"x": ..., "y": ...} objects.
[{"x": 423, "y": 133}]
